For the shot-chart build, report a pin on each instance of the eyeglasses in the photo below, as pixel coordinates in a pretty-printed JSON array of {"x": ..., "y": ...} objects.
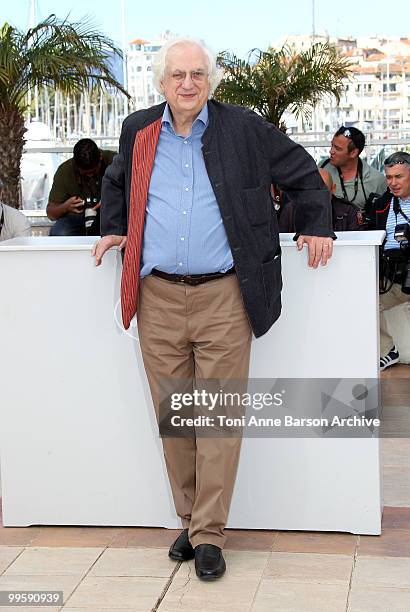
[
  {"x": 353, "y": 134},
  {"x": 197, "y": 76},
  {"x": 398, "y": 158},
  {"x": 342, "y": 131}
]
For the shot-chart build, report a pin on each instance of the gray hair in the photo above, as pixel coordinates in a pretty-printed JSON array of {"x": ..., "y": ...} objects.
[
  {"x": 401, "y": 157},
  {"x": 158, "y": 64},
  {"x": 1, "y": 184}
]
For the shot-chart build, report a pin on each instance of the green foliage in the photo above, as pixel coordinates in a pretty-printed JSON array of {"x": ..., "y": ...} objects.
[
  {"x": 274, "y": 81},
  {"x": 67, "y": 56}
]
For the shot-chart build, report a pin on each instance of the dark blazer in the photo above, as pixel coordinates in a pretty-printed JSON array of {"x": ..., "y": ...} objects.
[{"x": 243, "y": 156}]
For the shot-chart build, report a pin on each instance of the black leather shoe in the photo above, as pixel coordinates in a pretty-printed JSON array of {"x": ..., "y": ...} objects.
[
  {"x": 181, "y": 549},
  {"x": 209, "y": 562}
]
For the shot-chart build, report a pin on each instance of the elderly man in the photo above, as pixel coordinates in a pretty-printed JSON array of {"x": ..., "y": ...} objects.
[
  {"x": 189, "y": 196},
  {"x": 355, "y": 180},
  {"x": 13, "y": 223},
  {"x": 389, "y": 211}
]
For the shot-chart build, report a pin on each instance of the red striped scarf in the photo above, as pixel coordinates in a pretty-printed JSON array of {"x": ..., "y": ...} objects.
[{"x": 143, "y": 157}]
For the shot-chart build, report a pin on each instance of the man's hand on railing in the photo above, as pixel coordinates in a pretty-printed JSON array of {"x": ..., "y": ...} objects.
[
  {"x": 320, "y": 249},
  {"x": 105, "y": 243}
]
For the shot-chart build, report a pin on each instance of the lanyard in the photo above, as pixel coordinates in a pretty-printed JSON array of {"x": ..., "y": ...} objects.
[
  {"x": 397, "y": 209},
  {"x": 356, "y": 182}
]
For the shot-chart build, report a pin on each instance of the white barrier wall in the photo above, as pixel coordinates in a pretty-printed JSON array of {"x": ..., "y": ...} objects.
[{"x": 78, "y": 437}]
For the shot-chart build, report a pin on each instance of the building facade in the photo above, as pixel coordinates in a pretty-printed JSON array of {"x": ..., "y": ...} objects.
[
  {"x": 140, "y": 84},
  {"x": 376, "y": 96}
]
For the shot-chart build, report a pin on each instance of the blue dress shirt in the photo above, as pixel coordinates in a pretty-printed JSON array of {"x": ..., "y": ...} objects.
[
  {"x": 183, "y": 232},
  {"x": 391, "y": 243}
]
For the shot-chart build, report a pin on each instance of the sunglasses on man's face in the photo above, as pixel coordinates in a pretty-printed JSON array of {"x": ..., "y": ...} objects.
[{"x": 345, "y": 132}]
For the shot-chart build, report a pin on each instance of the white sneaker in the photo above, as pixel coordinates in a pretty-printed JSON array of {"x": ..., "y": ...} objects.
[{"x": 390, "y": 359}]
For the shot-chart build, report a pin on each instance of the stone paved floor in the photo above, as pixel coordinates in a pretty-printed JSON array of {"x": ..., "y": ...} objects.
[{"x": 126, "y": 569}]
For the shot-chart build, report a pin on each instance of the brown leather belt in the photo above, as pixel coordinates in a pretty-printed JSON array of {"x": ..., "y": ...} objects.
[{"x": 191, "y": 279}]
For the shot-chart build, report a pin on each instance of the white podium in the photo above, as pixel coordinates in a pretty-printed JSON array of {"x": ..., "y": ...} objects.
[{"x": 78, "y": 438}]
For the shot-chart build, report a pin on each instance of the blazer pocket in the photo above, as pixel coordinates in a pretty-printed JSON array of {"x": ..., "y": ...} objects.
[
  {"x": 272, "y": 279},
  {"x": 258, "y": 204}
]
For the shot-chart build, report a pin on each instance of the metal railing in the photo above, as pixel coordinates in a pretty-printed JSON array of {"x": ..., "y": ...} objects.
[{"x": 36, "y": 185}]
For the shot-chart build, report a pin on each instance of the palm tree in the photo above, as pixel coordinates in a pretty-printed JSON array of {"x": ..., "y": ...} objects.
[
  {"x": 274, "y": 81},
  {"x": 69, "y": 57}
]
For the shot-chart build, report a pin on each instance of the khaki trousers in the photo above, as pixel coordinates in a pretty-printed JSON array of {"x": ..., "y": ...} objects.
[
  {"x": 388, "y": 300},
  {"x": 199, "y": 332}
]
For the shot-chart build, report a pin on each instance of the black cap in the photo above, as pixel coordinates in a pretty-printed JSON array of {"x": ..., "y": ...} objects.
[{"x": 355, "y": 135}]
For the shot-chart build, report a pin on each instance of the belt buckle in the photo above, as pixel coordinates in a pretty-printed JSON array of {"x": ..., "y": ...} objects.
[{"x": 192, "y": 281}]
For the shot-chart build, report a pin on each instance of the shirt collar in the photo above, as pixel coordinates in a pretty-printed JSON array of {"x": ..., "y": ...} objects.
[
  {"x": 365, "y": 169},
  {"x": 203, "y": 116}
]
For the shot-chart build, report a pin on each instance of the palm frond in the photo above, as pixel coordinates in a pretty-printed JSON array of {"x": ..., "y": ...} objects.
[
  {"x": 273, "y": 81},
  {"x": 70, "y": 57}
]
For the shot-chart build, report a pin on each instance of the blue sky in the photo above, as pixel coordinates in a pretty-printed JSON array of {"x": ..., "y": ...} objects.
[{"x": 238, "y": 25}]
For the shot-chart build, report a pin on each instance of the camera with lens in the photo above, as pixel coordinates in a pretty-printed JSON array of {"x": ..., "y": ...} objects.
[
  {"x": 395, "y": 263},
  {"x": 400, "y": 271},
  {"x": 90, "y": 215},
  {"x": 402, "y": 232},
  {"x": 402, "y": 235}
]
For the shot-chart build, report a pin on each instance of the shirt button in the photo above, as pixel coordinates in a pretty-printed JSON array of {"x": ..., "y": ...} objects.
[
  {"x": 186, "y": 165},
  {"x": 182, "y": 238},
  {"x": 185, "y": 142},
  {"x": 184, "y": 212},
  {"x": 180, "y": 263},
  {"x": 186, "y": 188}
]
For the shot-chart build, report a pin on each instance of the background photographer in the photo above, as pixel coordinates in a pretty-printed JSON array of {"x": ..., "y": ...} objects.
[
  {"x": 392, "y": 213},
  {"x": 74, "y": 199},
  {"x": 356, "y": 182}
]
